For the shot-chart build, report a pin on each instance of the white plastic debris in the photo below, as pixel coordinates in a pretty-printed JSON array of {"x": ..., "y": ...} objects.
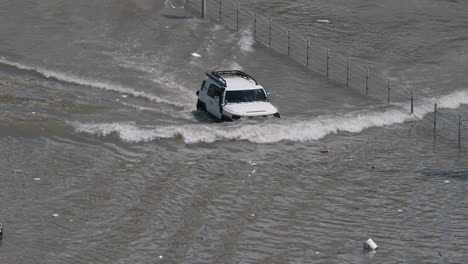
[
  {"x": 447, "y": 181},
  {"x": 370, "y": 244},
  {"x": 172, "y": 6},
  {"x": 161, "y": 257},
  {"x": 323, "y": 20},
  {"x": 55, "y": 215},
  {"x": 252, "y": 215},
  {"x": 399, "y": 210},
  {"x": 196, "y": 55},
  {"x": 316, "y": 252},
  {"x": 37, "y": 179},
  {"x": 33, "y": 113},
  {"x": 124, "y": 96},
  {"x": 18, "y": 171}
]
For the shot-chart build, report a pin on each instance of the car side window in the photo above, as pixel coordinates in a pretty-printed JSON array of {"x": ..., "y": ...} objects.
[{"x": 213, "y": 91}]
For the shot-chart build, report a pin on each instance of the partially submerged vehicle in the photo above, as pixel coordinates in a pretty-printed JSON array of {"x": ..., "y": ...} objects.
[{"x": 233, "y": 95}]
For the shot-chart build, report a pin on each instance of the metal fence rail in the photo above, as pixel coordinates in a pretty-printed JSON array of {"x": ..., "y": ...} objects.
[{"x": 334, "y": 66}]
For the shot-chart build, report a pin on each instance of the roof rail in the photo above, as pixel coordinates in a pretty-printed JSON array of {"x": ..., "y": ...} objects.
[{"x": 216, "y": 76}]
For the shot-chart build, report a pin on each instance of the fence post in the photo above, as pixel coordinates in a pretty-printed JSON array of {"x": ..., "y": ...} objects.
[
  {"x": 412, "y": 103},
  {"x": 237, "y": 20},
  {"x": 435, "y": 118},
  {"x": 203, "y": 8},
  {"x": 289, "y": 40},
  {"x": 367, "y": 81},
  {"x": 388, "y": 91},
  {"x": 347, "y": 72},
  {"x": 269, "y": 34},
  {"x": 328, "y": 62},
  {"x": 308, "y": 47},
  {"x": 255, "y": 26},
  {"x": 459, "y": 130},
  {"x": 220, "y": 15}
]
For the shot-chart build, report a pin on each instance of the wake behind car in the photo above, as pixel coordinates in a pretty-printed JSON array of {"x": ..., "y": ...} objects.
[{"x": 232, "y": 95}]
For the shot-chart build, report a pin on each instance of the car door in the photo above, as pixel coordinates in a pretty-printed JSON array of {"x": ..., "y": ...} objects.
[{"x": 215, "y": 97}]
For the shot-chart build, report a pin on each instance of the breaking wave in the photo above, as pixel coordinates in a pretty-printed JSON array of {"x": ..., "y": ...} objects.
[
  {"x": 70, "y": 78},
  {"x": 275, "y": 131},
  {"x": 257, "y": 133},
  {"x": 247, "y": 41}
]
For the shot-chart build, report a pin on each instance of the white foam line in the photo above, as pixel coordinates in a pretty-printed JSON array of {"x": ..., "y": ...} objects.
[
  {"x": 247, "y": 41},
  {"x": 258, "y": 133},
  {"x": 282, "y": 130},
  {"x": 91, "y": 83}
]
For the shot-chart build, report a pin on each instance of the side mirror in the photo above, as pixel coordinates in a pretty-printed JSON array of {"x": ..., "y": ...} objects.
[{"x": 198, "y": 92}]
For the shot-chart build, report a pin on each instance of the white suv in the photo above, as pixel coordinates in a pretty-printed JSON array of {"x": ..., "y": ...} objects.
[{"x": 232, "y": 95}]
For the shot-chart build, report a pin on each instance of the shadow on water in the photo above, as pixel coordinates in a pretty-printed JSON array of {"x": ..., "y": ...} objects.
[{"x": 453, "y": 175}]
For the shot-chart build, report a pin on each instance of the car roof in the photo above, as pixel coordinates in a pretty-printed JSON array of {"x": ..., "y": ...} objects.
[{"x": 236, "y": 83}]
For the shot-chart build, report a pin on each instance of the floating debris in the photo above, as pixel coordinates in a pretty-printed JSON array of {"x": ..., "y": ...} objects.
[
  {"x": 37, "y": 179},
  {"x": 124, "y": 96},
  {"x": 399, "y": 210},
  {"x": 447, "y": 181},
  {"x": 323, "y": 20},
  {"x": 172, "y": 6},
  {"x": 33, "y": 113},
  {"x": 370, "y": 245},
  {"x": 196, "y": 55},
  {"x": 55, "y": 215},
  {"x": 252, "y": 215},
  {"x": 18, "y": 171},
  {"x": 1, "y": 231},
  {"x": 161, "y": 257},
  {"x": 324, "y": 150}
]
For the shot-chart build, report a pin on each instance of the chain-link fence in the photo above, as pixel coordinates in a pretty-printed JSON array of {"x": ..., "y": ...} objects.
[{"x": 334, "y": 66}]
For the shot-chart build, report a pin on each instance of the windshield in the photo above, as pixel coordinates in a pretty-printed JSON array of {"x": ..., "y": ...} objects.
[{"x": 245, "y": 96}]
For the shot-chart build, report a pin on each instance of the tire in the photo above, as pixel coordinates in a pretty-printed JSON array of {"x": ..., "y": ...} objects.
[{"x": 201, "y": 106}]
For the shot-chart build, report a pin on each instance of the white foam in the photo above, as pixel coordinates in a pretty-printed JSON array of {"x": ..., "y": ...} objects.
[
  {"x": 453, "y": 100},
  {"x": 276, "y": 130},
  {"x": 246, "y": 41},
  {"x": 450, "y": 101},
  {"x": 89, "y": 82},
  {"x": 258, "y": 133},
  {"x": 235, "y": 66}
]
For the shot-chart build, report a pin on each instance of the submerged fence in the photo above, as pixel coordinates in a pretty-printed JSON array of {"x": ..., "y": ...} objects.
[{"x": 334, "y": 66}]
